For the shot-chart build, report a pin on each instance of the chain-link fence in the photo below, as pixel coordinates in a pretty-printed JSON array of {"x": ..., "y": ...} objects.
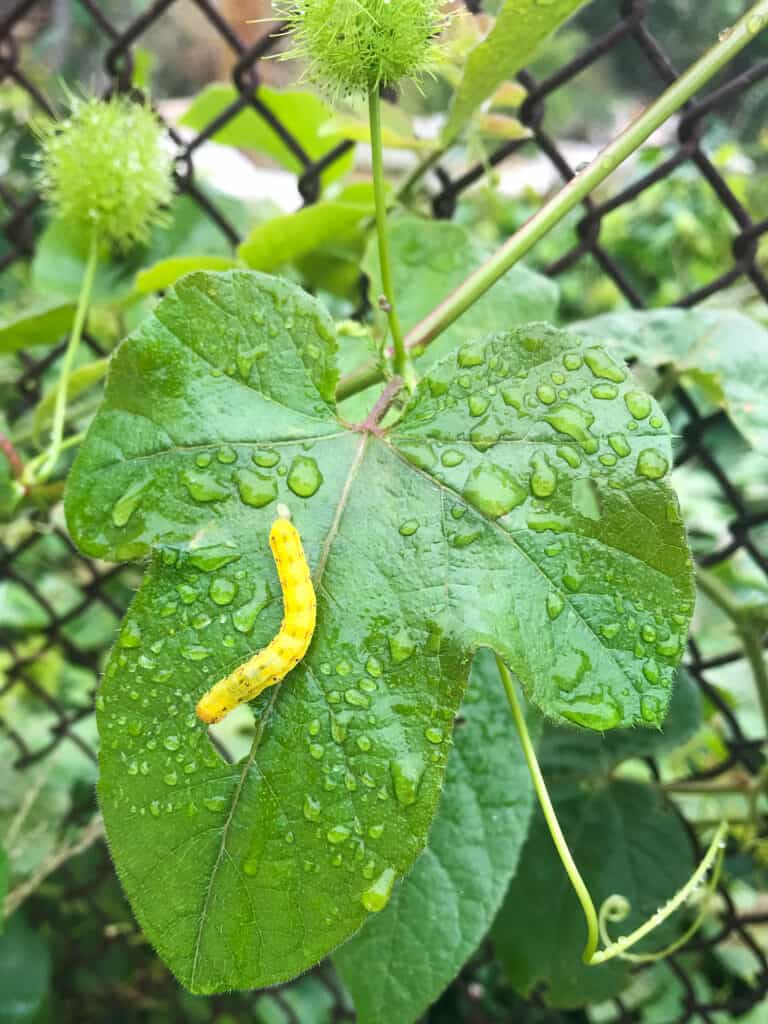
[{"x": 108, "y": 958}]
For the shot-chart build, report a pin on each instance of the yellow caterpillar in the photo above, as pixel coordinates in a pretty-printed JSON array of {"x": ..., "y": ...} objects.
[{"x": 290, "y": 645}]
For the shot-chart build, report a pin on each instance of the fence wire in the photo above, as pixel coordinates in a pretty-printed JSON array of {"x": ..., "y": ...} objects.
[{"x": 112, "y": 962}]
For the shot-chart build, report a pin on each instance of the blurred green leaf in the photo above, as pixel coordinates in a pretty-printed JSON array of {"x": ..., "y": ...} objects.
[
  {"x": 24, "y": 972},
  {"x": 167, "y": 272},
  {"x": 295, "y": 235},
  {"x": 40, "y": 324},
  {"x": 305, "y": 114},
  {"x": 521, "y": 26},
  {"x": 441, "y": 911},
  {"x": 718, "y": 354}
]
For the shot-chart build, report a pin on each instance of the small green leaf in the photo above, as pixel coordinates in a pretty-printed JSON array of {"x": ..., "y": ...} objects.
[
  {"x": 625, "y": 840},
  {"x": 722, "y": 357},
  {"x": 439, "y": 914},
  {"x": 41, "y": 324},
  {"x": 521, "y": 26},
  {"x": 457, "y": 528},
  {"x": 294, "y": 235},
  {"x": 60, "y": 255},
  {"x": 307, "y": 115},
  {"x": 167, "y": 272},
  {"x": 25, "y": 969}
]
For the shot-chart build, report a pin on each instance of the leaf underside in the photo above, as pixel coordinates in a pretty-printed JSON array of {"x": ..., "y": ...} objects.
[{"x": 518, "y": 504}]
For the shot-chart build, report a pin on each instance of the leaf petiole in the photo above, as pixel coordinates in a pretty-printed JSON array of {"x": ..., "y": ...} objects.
[{"x": 401, "y": 360}]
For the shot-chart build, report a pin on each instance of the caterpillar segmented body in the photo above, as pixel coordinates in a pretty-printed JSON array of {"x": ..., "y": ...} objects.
[{"x": 274, "y": 661}]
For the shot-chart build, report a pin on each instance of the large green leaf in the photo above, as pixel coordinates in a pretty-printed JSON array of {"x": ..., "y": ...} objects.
[
  {"x": 295, "y": 235},
  {"x": 513, "y": 506},
  {"x": 308, "y": 119},
  {"x": 521, "y": 26},
  {"x": 625, "y": 840},
  {"x": 726, "y": 350},
  {"x": 405, "y": 956}
]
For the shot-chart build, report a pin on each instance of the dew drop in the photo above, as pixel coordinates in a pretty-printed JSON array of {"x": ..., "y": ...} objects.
[
  {"x": 222, "y": 591},
  {"x": 470, "y": 355},
  {"x": 408, "y": 528},
  {"x": 406, "y": 772},
  {"x": 638, "y": 403},
  {"x": 211, "y": 558},
  {"x": 265, "y": 459},
  {"x": 555, "y": 604},
  {"x": 601, "y": 365},
  {"x": 377, "y": 895},
  {"x": 543, "y": 476},
  {"x": 401, "y": 645},
  {"x": 574, "y": 422},
  {"x": 338, "y": 834},
  {"x": 204, "y": 487},
  {"x": 373, "y": 667},
  {"x": 304, "y": 477},
  {"x": 604, "y": 391},
  {"x": 493, "y": 490},
  {"x": 127, "y": 504},
  {"x": 312, "y": 808},
  {"x": 451, "y": 457},
  {"x": 651, "y": 464},
  {"x": 546, "y": 394},
  {"x": 434, "y": 735},
  {"x": 357, "y": 699},
  {"x": 244, "y": 617},
  {"x": 619, "y": 444},
  {"x": 255, "y": 489},
  {"x": 477, "y": 404},
  {"x": 651, "y": 708},
  {"x": 130, "y": 635},
  {"x": 572, "y": 360}
]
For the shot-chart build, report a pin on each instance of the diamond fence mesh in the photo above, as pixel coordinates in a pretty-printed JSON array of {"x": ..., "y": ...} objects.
[{"x": 97, "y": 948}]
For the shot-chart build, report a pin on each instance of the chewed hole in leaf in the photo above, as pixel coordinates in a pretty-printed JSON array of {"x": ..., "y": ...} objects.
[{"x": 232, "y": 738}]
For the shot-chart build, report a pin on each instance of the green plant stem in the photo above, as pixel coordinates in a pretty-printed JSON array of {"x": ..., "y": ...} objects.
[
  {"x": 553, "y": 211},
  {"x": 418, "y": 172},
  {"x": 596, "y": 922},
  {"x": 579, "y": 886},
  {"x": 753, "y": 648},
  {"x": 400, "y": 360},
  {"x": 750, "y": 633},
  {"x": 55, "y": 446}
]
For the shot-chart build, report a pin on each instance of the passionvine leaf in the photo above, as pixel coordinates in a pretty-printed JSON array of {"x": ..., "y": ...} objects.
[{"x": 518, "y": 504}]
